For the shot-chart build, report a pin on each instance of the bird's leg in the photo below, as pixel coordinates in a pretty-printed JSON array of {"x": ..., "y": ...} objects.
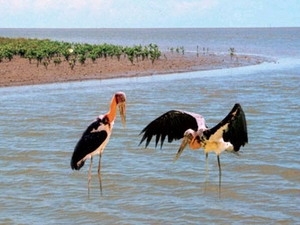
[
  {"x": 206, "y": 171},
  {"x": 219, "y": 164},
  {"x": 90, "y": 175},
  {"x": 99, "y": 165},
  {"x": 220, "y": 174},
  {"x": 100, "y": 183},
  {"x": 99, "y": 174},
  {"x": 206, "y": 162}
]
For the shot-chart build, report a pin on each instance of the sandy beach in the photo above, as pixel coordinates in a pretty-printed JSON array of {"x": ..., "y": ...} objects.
[{"x": 19, "y": 71}]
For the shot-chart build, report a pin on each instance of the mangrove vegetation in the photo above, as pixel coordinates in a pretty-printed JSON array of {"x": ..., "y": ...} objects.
[{"x": 45, "y": 51}]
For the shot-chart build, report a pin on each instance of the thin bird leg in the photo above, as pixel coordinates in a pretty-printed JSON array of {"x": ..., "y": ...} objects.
[
  {"x": 219, "y": 164},
  {"x": 206, "y": 162},
  {"x": 100, "y": 183},
  {"x": 206, "y": 171},
  {"x": 99, "y": 174},
  {"x": 99, "y": 165},
  {"x": 90, "y": 174}
]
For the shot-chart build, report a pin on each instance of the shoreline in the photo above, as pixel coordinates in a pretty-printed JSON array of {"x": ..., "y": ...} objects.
[{"x": 19, "y": 71}]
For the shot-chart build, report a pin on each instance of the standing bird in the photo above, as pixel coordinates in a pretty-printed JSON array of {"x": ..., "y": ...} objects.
[
  {"x": 96, "y": 136},
  {"x": 228, "y": 135}
]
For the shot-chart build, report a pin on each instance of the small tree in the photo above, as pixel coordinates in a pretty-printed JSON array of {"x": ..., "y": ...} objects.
[
  {"x": 1, "y": 56},
  {"x": 72, "y": 63},
  {"x": 57, "y": 61},
  {"x": 232, "y": 52},
  {"x": 93, "y": 56},
  {"x": 8, "y": 54},
  {"x": 46, "y": 63},
  {"x": 82, "y": 59}
]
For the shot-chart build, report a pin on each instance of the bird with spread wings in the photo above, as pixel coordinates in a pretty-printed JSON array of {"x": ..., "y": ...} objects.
[{"x": 228, "y": 135}]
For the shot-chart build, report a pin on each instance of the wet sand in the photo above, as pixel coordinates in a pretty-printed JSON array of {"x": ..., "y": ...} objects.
[{"x": 19, "y": 71}]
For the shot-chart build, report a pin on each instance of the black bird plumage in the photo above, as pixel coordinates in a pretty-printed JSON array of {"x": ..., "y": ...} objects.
[{"x": 91, "y": 139}]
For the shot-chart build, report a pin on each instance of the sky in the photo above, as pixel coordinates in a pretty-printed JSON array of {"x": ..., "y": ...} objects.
[{"x": 148, "y": 13}]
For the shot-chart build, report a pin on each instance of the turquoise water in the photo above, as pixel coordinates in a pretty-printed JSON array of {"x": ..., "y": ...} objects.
[{"x": 40, "y": 125}]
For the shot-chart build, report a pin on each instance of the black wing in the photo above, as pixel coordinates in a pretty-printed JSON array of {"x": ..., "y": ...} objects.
[
  {"x": 233, "y": 128},
  {"x": 172, "y": 124},
  {"x": 91, "y": 139}
]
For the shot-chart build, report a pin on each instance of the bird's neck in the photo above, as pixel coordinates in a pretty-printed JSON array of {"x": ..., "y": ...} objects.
[{"x": 112, "y": 110}]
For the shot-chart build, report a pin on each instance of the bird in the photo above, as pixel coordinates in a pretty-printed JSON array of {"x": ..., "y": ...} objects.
[
  {"x": 228, "y": 135},
  {"x": 96, "y": 136}
]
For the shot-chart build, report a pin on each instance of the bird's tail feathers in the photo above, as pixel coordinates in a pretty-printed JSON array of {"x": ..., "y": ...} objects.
[{"x": 75, "y": 165}]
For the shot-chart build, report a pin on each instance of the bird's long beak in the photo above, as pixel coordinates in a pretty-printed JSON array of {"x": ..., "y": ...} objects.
[
  {"x": 122, "y": 110},
  {"x": 121, "y": 103},
  {"x": 185, "y": 141},
  {"x": 181, "y": 148}
]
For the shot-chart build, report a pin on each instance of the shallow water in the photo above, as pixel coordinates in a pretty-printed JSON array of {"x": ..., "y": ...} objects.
[{"x": 40, "y": 125}]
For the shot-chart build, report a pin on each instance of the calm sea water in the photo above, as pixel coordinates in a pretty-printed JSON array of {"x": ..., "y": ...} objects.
[{"x": 40, "y": 125}]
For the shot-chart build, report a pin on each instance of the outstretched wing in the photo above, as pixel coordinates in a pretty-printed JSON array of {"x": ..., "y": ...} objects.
[
  {"x": 91, "y": 139},
  {"x": 172, "y": 124},
  {"x": 233, "y": 128}
]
